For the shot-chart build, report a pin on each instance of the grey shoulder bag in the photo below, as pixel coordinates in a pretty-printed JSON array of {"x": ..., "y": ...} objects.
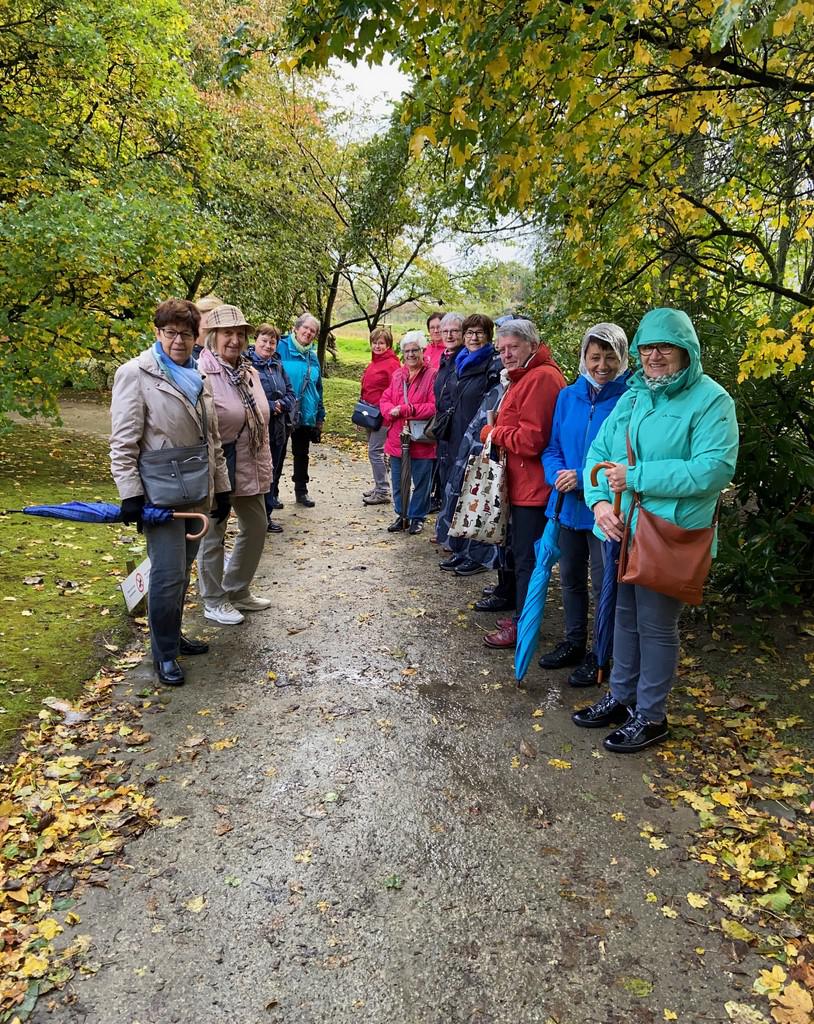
[{"x": 175, "y": 477}]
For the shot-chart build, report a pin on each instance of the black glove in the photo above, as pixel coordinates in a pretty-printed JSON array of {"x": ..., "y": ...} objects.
[
  {"x": 223, "y": 506},
  {"x": 132, "y": 509},
  {"x": 316, "y": 434}
]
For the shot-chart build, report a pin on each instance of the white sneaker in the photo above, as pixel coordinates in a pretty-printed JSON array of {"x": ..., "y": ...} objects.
[
  {"x": 224, "y": 613},
  {"x": 251, "y": 603}
]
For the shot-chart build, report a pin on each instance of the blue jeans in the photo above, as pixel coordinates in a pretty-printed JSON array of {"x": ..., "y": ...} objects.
[
  {"x": 421, "y": 475},
  {"x": 171, "y": 558},
  {"x": 645, "y": 649}
]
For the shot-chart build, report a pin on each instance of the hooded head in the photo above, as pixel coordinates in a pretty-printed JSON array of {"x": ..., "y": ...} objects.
[
  {"x": 674, "y": 327},
  {"x": 611, "y": 334}
]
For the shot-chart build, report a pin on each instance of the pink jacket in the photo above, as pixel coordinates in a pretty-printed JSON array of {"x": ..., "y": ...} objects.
[
  {"x": 421, "y": 401},
  {"x": 253, "y": 472}
]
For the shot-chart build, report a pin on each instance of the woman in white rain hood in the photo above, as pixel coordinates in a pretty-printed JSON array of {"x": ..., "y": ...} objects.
[{"x": 581, "y": 410}]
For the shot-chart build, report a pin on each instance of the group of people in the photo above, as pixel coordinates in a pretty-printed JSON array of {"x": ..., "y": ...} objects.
[
  {"x": 201, "y": 388},
  {"x": 473, "y": 380}
]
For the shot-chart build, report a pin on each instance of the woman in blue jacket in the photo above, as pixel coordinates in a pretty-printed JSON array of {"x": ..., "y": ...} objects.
[
  {"x": 581, "y": 410},
  {"x": 281, "y": 398},
  {"x": 302, "y": 366},
  {"x": 684, "y": 437}
]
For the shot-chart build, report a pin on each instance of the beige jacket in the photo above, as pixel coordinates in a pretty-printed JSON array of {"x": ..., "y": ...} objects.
[{"x": 147, "y": 413}]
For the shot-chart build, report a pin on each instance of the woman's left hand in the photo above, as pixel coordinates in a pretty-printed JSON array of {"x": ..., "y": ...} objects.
[
  {"x": 617, "y": 477},
  {"x": 395, "y": 412}
]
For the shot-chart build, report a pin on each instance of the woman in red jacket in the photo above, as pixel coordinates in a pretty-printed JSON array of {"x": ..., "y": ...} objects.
[
  {"x": 410, "y": 396},
  {"x": 383, "y": 364},
  {"x": 523, "y": 427}
]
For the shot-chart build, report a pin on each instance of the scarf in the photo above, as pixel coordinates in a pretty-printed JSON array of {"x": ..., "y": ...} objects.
[
  {"x": 657, "y": 383},
  {"x": 466, "y": 358},
  {"x": 184, "y": 377},
  {"x": 615, "y": 337},
  {"x": 302, "y": 349},
  {"x": 240, "y": 378}
]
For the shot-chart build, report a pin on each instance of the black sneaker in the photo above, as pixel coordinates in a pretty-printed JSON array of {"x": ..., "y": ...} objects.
[
  {"x": 607, "y": 711},
  {"x": 396, "y": 526},
  {"x": 416, "y": 526},
  {"x": 276, "y": 504},
  {"x": 303, "y": 498},
  {"x": 469, "y": 567},
  {"x": 586, "y": 674},
  {"x": 564, "y": 654},
  {"x": 495, "y": 603},
  {"x": 450, "y": 564},
  {"x": 636, "y": 734}
]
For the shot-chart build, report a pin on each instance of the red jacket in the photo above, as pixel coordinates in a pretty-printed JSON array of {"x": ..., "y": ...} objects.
[
  {"x": 524, "y": 424},
  {"x": 432, "y": 355},
  {"x": 378, "y": 374},
  {"x": 421, "y": 399}
]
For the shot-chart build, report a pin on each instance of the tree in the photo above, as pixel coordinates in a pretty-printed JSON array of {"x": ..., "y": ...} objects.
[{"x": 102, "y": 139}]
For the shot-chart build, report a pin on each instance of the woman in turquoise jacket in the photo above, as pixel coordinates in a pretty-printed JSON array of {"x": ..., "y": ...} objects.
[
  {"x": 684, "y": 436},
  {"x": 301, "y": 364}
]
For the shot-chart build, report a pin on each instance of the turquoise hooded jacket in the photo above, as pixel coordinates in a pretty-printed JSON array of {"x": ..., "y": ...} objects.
[{"x": 684, "y": 435}]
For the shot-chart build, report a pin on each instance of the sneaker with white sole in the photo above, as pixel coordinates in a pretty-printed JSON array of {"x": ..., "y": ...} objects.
[
  {"x": 224, "y": 613},
  {"x": 251, "y": 603}
]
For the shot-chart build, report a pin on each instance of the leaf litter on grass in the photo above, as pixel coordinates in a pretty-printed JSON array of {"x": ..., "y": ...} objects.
[
  {"x": 753, "y": 793},
  {"x": 64, "y": 816}
]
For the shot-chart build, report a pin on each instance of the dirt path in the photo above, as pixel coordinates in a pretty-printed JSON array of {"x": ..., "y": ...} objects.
[{"x": 361, "y": 837}]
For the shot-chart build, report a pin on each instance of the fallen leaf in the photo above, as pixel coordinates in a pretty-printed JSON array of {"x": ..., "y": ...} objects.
[
  {"x": 527, "y": 750},
  {"x": 224, "y": 744},
  {"x": 196, "y": 904},
  {"x": 743, "y": 1013},
  {"x": 670, "y": 1014},
  {"x": 557, "y": 763},
  {"x": 639, "y": 987},
  {"x": 794, "y": 1005},
  {"x": 697, "y": 901},
  {"x": 669, "y": 912}
]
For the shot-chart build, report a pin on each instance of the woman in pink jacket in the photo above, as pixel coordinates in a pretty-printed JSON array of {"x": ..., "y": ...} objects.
[
  {"x": 409, "y": 396},
  {"x": 243, "y": 418}
]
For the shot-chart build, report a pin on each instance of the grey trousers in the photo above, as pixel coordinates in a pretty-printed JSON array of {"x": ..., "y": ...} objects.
[
  {"x": 214, "y": 584},
  {"x": 645, "y": 649},
  {"x": 579, "y": 549},
  {"x": 171, "y": 558},
  {"x": 375, "y": 452}
]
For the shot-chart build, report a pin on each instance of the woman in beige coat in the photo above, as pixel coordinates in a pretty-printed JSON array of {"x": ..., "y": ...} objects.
[
  {"x": 157, "y": 401},
  {"x": 243, "y": 417}
]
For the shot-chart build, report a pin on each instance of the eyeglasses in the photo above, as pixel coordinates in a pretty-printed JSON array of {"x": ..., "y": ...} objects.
[
  {"x": 664, "y": 348},
  {"x": 171, "y": 335},
  {"x": 475, "y": 334}
]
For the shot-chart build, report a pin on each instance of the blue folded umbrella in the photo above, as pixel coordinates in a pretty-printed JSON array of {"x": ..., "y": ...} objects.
[
  {"x": 547, "y": 552},
  {"x": 605, "y": 611},
  {"x": 96, "y": 512}
]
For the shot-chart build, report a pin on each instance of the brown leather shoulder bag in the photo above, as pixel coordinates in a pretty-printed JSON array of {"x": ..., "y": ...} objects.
[{"x": 665, "y": 557}]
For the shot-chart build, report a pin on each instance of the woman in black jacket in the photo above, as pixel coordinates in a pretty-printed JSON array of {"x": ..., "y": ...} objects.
[
  {"x": 444, "y": 387},
  {"x": 477, "y": 370},
  {"x": 281, "y": 399}
]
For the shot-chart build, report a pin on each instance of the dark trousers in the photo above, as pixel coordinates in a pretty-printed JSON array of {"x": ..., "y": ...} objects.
[
  {"x": 300, "y": 449},
  {"x": 528, "y": 523},
  {"x": 277, "y": 442},
  {"x": 171, "y": 558},
  {"x": 578, "y": 550}
]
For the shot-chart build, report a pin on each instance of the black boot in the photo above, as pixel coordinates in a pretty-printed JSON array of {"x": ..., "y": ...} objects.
[
  {"x": 303, "y": 499},
  {"x": 169, "y": 673}
]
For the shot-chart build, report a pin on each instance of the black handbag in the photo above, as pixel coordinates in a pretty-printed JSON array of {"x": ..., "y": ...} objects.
[
  {"x": 230, "y": 454},
  {"x": 440, "y": 426},
  {"x": 366, "y": 415}
]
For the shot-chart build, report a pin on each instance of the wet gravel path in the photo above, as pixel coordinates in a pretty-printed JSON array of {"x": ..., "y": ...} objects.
[{"x": 363, "y": 820}]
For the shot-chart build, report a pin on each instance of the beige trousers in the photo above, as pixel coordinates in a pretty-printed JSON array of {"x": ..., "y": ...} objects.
[{"x": 215, "y": 585}]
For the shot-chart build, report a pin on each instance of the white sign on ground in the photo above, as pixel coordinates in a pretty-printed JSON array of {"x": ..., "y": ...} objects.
[{"x": 136, "y": 585}]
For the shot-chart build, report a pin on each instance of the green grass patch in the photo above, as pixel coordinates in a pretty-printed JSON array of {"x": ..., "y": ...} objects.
[
  {"x": 59, "y": 598},
  {"x": 340, "y": 397}
]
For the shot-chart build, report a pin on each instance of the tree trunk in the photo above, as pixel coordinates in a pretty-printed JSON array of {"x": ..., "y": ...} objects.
[{"x": 325, "y": 318}]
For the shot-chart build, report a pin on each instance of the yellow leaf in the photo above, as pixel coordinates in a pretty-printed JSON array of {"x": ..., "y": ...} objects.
[
  {"x": 735, "y": 930},
  {"x": 196, "y": 904},
  {"x": 304, "y": 857},
  {"x": 670, "y": 1015},
  {"x": 34, "y": 966},
  {"x": 656, "y": 843},
  {"x": 555, "y": 762},
  {"x": 618, "y": 816},
  {"x": 669, "y": 912},
  {"x": 49, "y": 928},
  {"x": 726, "y": 799},
  {"x": 794, "y": 1005},
  {"x": 224, "y": 744},
  {"x": 770, "y": 983},
  {"x": 696, "y": 900},
  {"x": 651, "y": 897},
  {"x": 425, "y": 134}
]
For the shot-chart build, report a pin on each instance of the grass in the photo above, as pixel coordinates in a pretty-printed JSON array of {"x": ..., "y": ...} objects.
[{"x": 59, "y": 590}]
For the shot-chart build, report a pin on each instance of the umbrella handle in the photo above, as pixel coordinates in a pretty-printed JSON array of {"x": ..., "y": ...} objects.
[
  {"x": 194, "y": 515},
  {"x": 617, "y": 498}
]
